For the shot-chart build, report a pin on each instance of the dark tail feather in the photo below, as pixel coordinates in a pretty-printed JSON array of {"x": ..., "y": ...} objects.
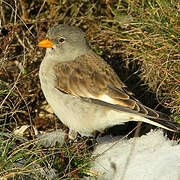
[{"x": 166, "y": 124}]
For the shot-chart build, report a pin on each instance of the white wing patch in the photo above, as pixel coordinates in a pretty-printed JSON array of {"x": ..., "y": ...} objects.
[{"x": 106, "y": 98}]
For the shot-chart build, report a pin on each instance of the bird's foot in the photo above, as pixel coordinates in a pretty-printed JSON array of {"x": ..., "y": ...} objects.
[{"x": 72, "y": 134}]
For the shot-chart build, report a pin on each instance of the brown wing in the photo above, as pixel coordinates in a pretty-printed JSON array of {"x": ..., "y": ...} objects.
[{"x": 89, "y": 76}]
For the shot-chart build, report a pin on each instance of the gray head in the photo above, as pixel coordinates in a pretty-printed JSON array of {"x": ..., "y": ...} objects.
[{"x": 66, "y": 41}]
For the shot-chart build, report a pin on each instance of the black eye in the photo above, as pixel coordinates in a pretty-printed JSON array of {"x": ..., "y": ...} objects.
[{"x": 61, "y": 40}]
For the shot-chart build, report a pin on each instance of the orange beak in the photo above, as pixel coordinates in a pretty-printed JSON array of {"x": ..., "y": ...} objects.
[{"x": 45, "y": 43}]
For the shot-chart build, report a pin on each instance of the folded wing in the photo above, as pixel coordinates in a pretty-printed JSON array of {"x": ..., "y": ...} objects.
[{"x": 90, "y": 77}]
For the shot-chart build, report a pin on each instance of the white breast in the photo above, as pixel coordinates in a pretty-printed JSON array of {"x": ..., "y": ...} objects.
[
  {"x": 47, "y": 80},
  {"x": 64, "y": 105}
]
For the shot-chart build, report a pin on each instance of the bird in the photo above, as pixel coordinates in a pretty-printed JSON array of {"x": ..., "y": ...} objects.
[{"x": 84, "y": 91}]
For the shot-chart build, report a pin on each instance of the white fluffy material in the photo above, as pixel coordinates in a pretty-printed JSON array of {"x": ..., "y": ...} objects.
[{"x": 149, "y": 157}]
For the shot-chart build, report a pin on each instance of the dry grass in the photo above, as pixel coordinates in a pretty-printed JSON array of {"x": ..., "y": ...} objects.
[
  {"x": 26, "y": 159},
  {"x": 140, "y": 39}
]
